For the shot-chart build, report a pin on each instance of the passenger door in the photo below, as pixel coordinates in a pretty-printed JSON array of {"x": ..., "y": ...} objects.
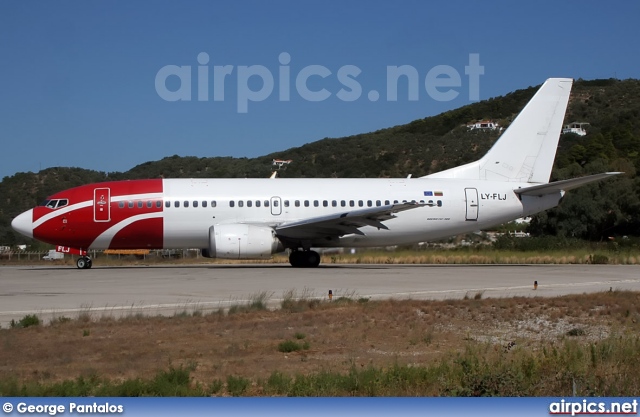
[
  {"x": 471, "y": 196},
  {"x": 102, "y": 205}
]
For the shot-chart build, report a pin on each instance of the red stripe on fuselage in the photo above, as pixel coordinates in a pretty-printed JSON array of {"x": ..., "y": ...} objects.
[
  {"x": 77, "y": 227},
  {"x": 143, "y": 234}
]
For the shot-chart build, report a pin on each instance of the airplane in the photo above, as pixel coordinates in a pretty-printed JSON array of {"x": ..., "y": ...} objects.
[{"x": 256, "y": 218}]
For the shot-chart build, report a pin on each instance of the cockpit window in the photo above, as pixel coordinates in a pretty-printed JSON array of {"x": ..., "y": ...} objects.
[{"x": 55, "y": 204}]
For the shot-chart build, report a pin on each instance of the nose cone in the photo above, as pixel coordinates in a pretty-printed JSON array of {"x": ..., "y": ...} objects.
[{"x": 23, "y": 224}]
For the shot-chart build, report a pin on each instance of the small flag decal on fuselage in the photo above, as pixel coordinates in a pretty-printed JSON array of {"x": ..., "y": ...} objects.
[{"x": 433, "y": 194}]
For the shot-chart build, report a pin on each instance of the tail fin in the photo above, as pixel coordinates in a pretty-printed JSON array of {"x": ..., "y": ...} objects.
[{"x": 526, "y": 150}]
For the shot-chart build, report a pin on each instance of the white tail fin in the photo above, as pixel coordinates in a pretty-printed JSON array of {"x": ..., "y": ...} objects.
[{"x": 526, "y": 150}]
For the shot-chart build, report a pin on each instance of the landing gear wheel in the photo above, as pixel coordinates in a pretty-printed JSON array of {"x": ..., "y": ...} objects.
[
  {"x": 294, "y": 259},
  {"x": 311, "y": 259},
  {"x": 84, "y": 263},
  {"x": 304, "y": 259}
]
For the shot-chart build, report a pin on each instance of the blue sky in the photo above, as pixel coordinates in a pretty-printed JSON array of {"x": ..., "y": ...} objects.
[{"x": 78, "y": 79}]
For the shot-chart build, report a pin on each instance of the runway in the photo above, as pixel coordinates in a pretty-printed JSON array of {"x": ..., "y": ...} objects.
[{"x": 151, "y": 290}]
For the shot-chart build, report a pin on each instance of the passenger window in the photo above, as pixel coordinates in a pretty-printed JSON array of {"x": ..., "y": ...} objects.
[
  {"x": 316, "y": 203},
  {"x": 275, "y": 203},
  {"x": 325, "y": 203},
  {"x": 266, "y": 203},
  {"x": 149, "y": 204},
  {"x": 343, "y": 203},
  {"x": 257, "y": 203},
  {"x": 369, "y": 203},
  {"x": 176, "y": 204},
  {"x": 386, "y": 202},
  {"x": 439, "y": 203},
  {"x": 167, "y": 204},
  {"x": 431, "y": 202},
  {"x": 213, "y": 203},
  {"x": 121, "y": 204},
  {"x": 186, "y": 204},
  {"x": 306, "y": 203},
  {"x": 139, "y": 204},
  {"x": 352, "y": 203},
  {"x": 249, "y": 203},
  {"x": 297, "y": 203},
  {"x": 240, "y": 203},
  {"x": 334, "y": 203},
  {"x": 232, "y": 203},
  {"x": 195, "y": 204},
  {"x": 286, "y": 203},
  {"x": 158, "y": 204},
  {"x": 130, "y": 204},
  {"x": 395, "y": 201},
  {"x": 204, "y": 203},
  {"x": 360, "y": 203},
  {"x": 378, "y": 203}
]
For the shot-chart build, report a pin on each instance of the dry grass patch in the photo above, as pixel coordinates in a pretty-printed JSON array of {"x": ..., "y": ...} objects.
[{"x": 331, "y": 336}]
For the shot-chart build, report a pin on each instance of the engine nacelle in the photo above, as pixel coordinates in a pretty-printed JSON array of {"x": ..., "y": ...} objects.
[{"x": 242, "y": 241}]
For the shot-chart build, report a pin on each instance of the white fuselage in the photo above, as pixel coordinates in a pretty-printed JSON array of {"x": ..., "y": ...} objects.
[{"x": 453, "y": 206}]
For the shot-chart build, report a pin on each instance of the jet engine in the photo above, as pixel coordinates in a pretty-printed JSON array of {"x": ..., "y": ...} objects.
[{"x": 242, "y": 241}]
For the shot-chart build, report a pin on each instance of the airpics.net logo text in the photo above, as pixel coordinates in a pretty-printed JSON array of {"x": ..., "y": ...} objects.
[{"x": 256, "y": 83}]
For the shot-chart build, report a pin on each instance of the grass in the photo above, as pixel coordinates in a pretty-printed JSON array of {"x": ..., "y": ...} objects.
[
  {"x": 479, "y": 346},
  {"x": 293, "y": 302},
  {"x": 256, "y": 302},
  {"x": 608, "y": 368},
  {"x": 534, "y": 250},
  {"x": 488, "y": 256}
]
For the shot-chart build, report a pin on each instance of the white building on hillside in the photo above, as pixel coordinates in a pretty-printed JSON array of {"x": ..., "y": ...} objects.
[
  {"x": 576, "y": 128},
  {"x": 484, "y": 125}
]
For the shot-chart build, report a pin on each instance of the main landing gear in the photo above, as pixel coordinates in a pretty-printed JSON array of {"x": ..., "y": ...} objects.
[
  {"x": 304, "y": 259},
  {"x": 84, "y": 263}
]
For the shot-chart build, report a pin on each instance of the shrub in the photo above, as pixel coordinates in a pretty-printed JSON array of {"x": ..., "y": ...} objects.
[
  {"x": 236, "y": 386},
  {"x": 26, "y": 321},
  {"x": 576, "y": 331},
  {"x": 216, "y": 386},
  {"x": 289, "y": 346}
]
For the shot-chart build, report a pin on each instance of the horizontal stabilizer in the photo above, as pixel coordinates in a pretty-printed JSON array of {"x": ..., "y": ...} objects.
[{"x": 565, "y": 185}]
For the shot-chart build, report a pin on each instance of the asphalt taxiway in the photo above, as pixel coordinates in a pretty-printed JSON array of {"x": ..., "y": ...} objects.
[{"x": 151, "y": 290}]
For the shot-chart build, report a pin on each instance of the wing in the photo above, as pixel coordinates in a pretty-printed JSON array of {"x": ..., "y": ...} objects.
[{"x": 340, "y": 224}]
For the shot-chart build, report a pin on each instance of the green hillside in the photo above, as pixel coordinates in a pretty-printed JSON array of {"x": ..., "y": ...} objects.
[{"x": 611, "y": 208}]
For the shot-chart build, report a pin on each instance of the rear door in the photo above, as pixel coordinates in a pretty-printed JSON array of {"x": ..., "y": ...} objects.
[
  {"x": 102, "y": 205},
  {"x": 471, "y": 195}
]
